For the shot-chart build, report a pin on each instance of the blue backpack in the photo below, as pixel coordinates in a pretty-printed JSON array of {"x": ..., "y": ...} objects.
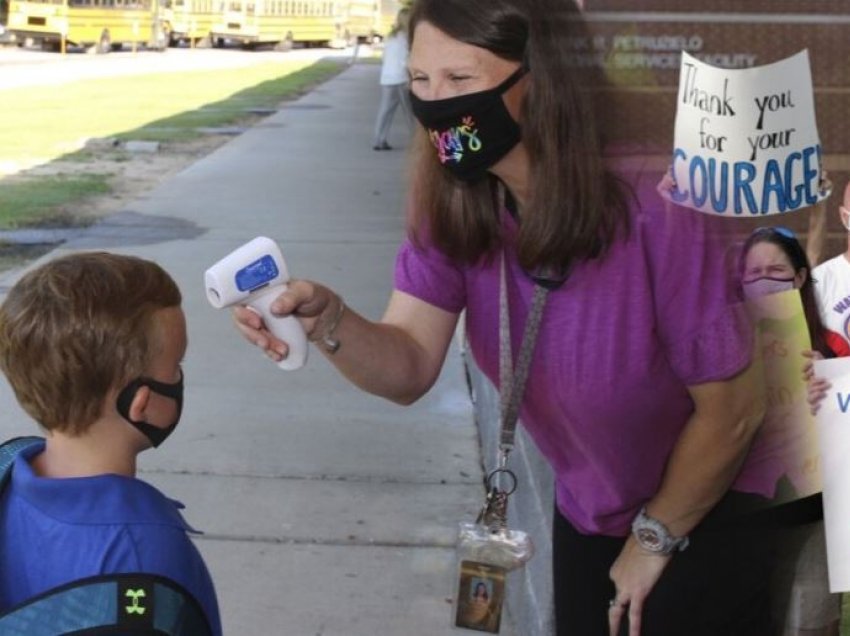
[{"x": 106, "y": 605}]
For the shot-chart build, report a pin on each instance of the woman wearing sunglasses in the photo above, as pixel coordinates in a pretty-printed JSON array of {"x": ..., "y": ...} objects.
[{"x": 772, "y": 260}]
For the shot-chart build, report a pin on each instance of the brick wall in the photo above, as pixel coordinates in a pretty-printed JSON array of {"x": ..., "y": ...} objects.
[{"x": 637, "y": 42}]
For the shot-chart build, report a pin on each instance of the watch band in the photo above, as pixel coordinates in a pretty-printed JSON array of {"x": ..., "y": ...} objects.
[{"x": 652, "y": 535}]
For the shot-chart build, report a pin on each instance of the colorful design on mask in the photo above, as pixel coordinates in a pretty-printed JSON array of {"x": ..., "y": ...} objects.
[{"x": 450, "y": 143}]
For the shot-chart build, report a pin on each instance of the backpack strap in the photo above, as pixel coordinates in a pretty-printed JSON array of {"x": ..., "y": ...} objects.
[
  {"x": 9, "y": 450},
  {"x": 126, "y": 604},
  {"x": 134, "y": 603}
]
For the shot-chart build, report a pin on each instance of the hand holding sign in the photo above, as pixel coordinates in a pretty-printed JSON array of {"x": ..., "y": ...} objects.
[
  {"x": 787, "y": 434},
  {"x": 746, "y": 141}
]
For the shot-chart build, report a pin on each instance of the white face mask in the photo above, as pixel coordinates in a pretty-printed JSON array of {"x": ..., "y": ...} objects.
[{"x": 765, "y": 286}]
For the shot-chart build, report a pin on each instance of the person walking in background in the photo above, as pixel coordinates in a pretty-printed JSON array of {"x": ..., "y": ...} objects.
[
  {"x": 394, "y": 85},
  {"x": 643, "y": 391}
]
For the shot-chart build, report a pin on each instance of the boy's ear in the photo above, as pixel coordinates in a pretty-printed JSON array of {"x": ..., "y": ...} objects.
[{"x": 139, "y": 404}]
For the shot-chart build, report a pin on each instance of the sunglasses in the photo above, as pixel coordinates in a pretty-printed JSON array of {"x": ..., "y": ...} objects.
[{"x": 777, "y": 229}]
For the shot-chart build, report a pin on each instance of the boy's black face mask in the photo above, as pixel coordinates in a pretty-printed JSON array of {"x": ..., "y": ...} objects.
[
  {"x": 470, "y": 132},
  {"x": 155, "y": 435}
]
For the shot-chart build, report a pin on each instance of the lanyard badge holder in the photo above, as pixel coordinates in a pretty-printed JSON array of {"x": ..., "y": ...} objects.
[{"x": 486, "y": 549}]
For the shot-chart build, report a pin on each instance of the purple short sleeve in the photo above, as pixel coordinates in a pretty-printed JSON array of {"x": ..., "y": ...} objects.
[
  {"x": 429, "y": 275},
  {"x": 619, "y": 344},
  {"x": 706, "y": 335}
]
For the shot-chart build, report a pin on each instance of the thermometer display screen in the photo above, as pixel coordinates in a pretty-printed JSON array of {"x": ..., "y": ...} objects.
[{"x": 259, "y": 273}]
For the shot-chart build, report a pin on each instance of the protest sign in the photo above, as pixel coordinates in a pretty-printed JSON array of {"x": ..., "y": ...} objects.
[
  {"x": 833, "y": 421},
  {"x": 746, "y": 140},
  {"x": 787, "y": 437}
]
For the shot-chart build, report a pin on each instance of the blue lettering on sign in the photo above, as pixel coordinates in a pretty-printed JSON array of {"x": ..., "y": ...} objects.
[
  {"x": 260, "y": 272},
  {"x": 773, "y": 184},
  {"x": 793, "y": 194},
  {"x": 679, "y": 196},
  {"x": 745, "y": 174},
  {"x": 699, "y": 196},
  {"x": 719, "y": 193},
  {"x": 731, "y": 187},
  {"x": 843, "y": 403},
  {"x": 810, "y": 173}
]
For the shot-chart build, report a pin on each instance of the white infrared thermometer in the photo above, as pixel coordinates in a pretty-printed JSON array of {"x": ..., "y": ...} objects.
[{"x": 254, "y": 275}]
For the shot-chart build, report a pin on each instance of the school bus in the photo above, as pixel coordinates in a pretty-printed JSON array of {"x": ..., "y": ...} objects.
[
  {"x": 190, "y": 20},
  {"x": 103, "y": 25},
  {"x": 389, "y": 11},
  {"x": 363, "y": 19},
  {"x": 280, "y": 22}
]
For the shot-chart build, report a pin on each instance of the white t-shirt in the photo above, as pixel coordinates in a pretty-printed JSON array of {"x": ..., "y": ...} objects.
[
  {"x": 832, "y": 291},
  {"x": 394, "y": 66}
]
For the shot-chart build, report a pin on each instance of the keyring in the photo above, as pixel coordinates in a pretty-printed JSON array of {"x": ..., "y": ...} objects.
[{"x": 497, "y": 473}]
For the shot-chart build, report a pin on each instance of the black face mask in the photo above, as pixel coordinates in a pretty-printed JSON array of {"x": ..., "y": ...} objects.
[
  {"x": 155, "y": 435},
  {"x": 470, "y": 132}
]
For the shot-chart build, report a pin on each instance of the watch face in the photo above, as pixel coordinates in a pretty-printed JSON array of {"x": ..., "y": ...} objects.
[{"x": 649, "y": 539}]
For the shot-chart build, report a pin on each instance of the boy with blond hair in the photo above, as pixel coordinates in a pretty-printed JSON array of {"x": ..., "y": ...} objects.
[{"x": 92, "y": 345}]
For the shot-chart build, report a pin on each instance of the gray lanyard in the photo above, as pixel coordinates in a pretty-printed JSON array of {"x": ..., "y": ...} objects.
[
  {"x": 512, "y": 379},
  {"x": 512, "y": 382}
]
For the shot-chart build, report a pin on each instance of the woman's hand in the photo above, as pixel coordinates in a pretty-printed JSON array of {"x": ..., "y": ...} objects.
[
  {"x": 398, "y": 357},
  {"x": 816, "y": 388},
  {"x": 634, "y": 573},
  {"x": 667, "y": 183},
  {"x": 809, "y": 367},
  {"x": 702, "y": 465},
  {"x": 310, "y": 302}
]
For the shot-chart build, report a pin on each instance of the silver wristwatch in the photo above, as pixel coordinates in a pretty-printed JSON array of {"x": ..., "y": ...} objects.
[{"x": 653, "y": 536}]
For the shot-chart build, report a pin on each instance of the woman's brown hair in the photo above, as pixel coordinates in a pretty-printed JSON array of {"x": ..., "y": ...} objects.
[{"x": 577, "y": 206}]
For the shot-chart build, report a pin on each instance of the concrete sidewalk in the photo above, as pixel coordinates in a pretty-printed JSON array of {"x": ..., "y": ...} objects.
[{"x": 326, "y": 511}]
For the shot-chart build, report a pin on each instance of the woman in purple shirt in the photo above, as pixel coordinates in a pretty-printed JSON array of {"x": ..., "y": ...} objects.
[{"x": 641, "y": 392}]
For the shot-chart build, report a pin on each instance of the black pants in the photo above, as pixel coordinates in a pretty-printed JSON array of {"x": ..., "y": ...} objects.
[{"x": 721, "y": 585}]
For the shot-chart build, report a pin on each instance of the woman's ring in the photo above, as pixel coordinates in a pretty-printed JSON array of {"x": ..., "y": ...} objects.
[{"x": 615, "y": 603}]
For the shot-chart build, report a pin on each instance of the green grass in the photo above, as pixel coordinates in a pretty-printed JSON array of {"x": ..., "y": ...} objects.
[
  {"x": 233, "y": 109},
  {"x": 41, "y": 201},
  {"x": 43, "y": 123}
]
